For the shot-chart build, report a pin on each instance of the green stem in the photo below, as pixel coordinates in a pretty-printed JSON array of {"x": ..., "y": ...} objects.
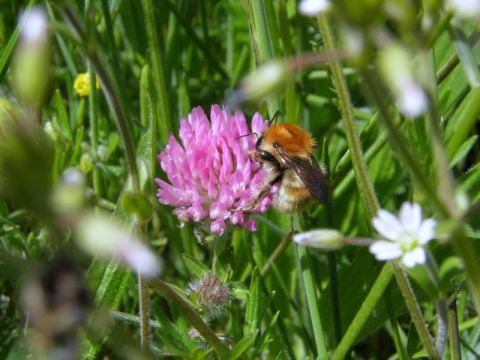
[
  {"x": 162, "y": 102},
  {"x": 464, "y": 247},
  {"x": 453, "y": 332},
  {"x": 312, "y": 301},
  {"x": 361, "y": 171},
  {"x": 144, "y": 300},
  {"x": 453, "y": 61},
  {"x": 366, "y": 185},
  {"x": 398, "y": 140},
  {"x": 110, "y": 92},
  {"x": 276, "y": 253},
  {"x": 366, "y": 309},
  {"x": 465, "y": 53},
  {"x": 189, "y": 312},
  {"x": 92, "y": 113},
  {"x": 415, "y": 312}
]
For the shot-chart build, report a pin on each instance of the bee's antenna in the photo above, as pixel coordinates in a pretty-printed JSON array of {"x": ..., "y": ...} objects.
[
  {"x": 241, "y": 136},
  {"x": 278, "y": 112}
]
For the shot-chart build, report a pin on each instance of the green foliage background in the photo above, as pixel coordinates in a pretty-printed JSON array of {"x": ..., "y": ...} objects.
[{"x": 165, "y": 57}]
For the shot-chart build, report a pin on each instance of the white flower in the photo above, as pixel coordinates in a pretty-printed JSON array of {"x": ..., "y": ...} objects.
[
  {"x": 465, "y": 9},
  {"x": 405, "y": 236},
  {"x": 313, "y": 7}
]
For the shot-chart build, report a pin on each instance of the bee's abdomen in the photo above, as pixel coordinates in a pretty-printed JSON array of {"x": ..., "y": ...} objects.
[{"x": 289, "y": 199}]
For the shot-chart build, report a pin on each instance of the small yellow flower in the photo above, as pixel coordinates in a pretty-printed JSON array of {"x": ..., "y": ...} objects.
[{"x": 82, "y": 84}]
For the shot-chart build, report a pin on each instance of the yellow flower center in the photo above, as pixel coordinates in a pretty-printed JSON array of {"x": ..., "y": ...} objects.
[{"x": 82, "y": 84}]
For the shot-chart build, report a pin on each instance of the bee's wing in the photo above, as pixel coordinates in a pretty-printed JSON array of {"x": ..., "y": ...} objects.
[{"x": 312, "y": 176}]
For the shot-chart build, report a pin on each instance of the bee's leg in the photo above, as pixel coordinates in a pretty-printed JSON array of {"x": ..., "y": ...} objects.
[{"x": 265, "y": 191}]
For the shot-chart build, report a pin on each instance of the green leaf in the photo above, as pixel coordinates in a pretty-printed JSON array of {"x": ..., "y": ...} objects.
[
  {"x": 62, "y": 115},
  {"x": 194, "y": 266},
  {"x": 252, "y": 315},
  {"x": 240, "y": 348},
  {"x": 136, "y": 205},
  {"x": 463, "y": 150}
]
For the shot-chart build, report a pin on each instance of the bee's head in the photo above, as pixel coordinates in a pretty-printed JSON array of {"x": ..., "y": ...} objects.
[{"x": 287, "y": 139}]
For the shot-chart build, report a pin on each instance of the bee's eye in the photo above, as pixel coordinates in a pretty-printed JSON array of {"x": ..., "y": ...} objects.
[{"x": 266, "y": 156}]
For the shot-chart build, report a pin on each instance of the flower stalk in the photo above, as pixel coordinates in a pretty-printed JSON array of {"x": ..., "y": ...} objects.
[
  {"x": 92, "y": 114},
  {"x": 366, "y": 186},
  {"x": 353, "y": 138},
  {"x": 414, "y": 310}
]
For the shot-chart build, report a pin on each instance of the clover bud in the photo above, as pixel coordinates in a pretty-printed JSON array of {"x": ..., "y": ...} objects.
[
  {"x": 325, "y": 239},
  {"x": 210, "y": 295}
]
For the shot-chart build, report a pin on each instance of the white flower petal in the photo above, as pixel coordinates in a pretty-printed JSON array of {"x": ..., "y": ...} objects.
[
  {"x": 426, "y": 231},
  {"x": 387, "y": 225},
  {"x": 417, "y": 256},
  {"x": 313, "y": 7},
  {"x": 385, "y": 250},
  {"x": 411, "y": 217}
]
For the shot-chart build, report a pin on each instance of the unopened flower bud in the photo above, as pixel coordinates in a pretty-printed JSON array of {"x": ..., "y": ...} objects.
[
  {"x": 313, "y": 7},
  {"x": 263, "y": 81},
  {"x": 70, "y": 195},
  {"x": 31, "y": 65},
  {"x": 50, "y": 131},
  {"x": 325, "y": 239},
  {"x": 104, "y": 237},
  {"x": 465, "y": 9},
  {"x": 86, "y": 163},
  {"x": 210, "y": 294},
  {"x": 395, "y": 65}
]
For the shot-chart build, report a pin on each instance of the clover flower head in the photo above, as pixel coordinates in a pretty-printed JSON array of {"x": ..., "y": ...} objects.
[
  {"x": 406, "y": 235},
  {"x": 212, "y": 177},
  {"x": 211, "y": 295}
]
